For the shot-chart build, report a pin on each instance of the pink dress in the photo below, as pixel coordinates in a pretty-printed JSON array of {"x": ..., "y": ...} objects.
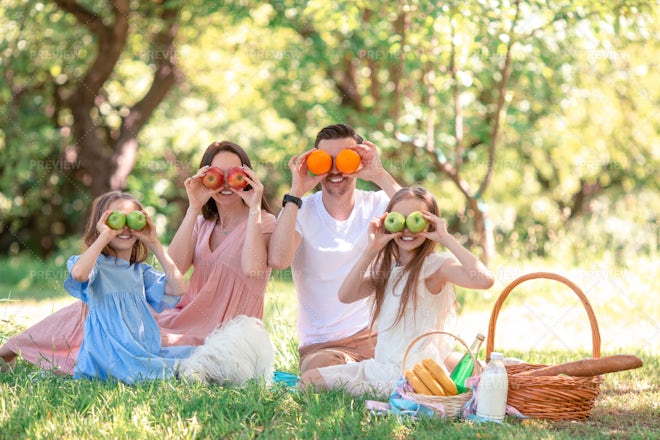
[{"x": 217, "y": 292}]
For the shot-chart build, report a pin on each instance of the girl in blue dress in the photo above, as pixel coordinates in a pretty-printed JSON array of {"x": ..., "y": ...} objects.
[{"x": 121, "y": 336}]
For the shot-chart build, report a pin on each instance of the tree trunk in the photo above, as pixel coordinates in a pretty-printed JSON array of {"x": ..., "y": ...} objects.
[
  {"x": 482, "y": 234},
  {"x": 105, "y": 160}
]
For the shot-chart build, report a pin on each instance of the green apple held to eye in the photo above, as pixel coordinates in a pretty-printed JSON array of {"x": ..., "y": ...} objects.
[
  {"x": 116, "y": 220},
  {"x": 395, "y": 222},
  {"x": 415, "y": 222},
  {"x": 136, "y": 220}
]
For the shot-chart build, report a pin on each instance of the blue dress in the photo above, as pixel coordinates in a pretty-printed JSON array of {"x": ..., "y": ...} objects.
[{"x": 122, "y": 338}]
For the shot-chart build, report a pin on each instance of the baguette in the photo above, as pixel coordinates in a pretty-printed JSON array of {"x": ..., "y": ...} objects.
[
  {"x": 426, "y": 377},
  {"x": 589, "y": 367},
  {"x": 441, "y": 376},
  {"x": 416, "y": 383}
]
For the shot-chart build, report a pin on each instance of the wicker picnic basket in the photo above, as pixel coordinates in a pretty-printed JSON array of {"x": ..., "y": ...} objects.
[
  {"x": 549, "y": 397},
  {"x": 452, "y": 404}
]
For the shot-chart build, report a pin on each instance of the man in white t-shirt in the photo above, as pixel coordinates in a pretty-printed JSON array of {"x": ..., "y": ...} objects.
[{"x": 321, "y": 237}]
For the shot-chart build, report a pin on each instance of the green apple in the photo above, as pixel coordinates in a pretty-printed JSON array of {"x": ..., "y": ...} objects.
[
  {"x": 415, "y": 222},
  {"x": 395, "y": 222},
  {"x": 136, "y": 220},
  {"x": 116, "y": 220}
]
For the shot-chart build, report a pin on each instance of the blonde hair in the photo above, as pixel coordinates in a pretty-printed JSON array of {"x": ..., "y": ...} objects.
[
  {"x": 139, "y": 253},
  {"x": 382, "y": 267}
]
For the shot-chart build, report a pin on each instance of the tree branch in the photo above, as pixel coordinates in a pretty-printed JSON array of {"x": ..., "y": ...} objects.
[
  {"x": 401, "y": 25},
  {"x": 458, "y": 108},
  {"x": 505, "y": 73},
  {"x": 347, "y": 85},
  {"x": 111, "y": 43},
  {"x": 165, "y": 77},
  {"x": 84, "y": 16}
]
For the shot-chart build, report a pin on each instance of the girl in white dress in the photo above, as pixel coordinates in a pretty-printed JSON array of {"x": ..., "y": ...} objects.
[{"x": 412, "y": 289}]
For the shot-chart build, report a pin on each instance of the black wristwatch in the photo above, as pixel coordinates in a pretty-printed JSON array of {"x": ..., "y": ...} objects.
[{"x": 289, "y": 198}]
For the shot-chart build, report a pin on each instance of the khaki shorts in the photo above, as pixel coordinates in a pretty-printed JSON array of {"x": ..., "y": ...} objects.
[{"x": 355, "y": 348}]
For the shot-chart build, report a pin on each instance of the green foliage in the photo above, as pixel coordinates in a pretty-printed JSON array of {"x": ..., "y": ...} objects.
[{"x": 579, "y": 131}]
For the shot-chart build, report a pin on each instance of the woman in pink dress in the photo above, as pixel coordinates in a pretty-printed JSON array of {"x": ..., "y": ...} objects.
[{"x": 227, "y": 246}]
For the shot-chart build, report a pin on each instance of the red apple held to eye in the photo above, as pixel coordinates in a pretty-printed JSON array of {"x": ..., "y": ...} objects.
[
  {"x": 213, "y": 179},
  {"x": 237, "y": 178}
]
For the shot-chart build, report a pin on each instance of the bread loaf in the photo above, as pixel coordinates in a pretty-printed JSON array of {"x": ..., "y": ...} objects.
[
  {"x": 416, "y": 383},
  {"x": 426, "y": 377},
  {"x": 589, "y": 367},
  {"x": 440, "y": 375}
]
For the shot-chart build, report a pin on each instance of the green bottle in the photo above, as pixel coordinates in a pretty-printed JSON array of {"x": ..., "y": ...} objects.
[{"x": 465, "y": 366}]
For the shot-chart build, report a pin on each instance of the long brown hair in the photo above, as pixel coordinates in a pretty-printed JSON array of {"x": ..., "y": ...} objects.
[
  {"x": 382, "y": 267},
  {"x": 210, "y": 210},
  {"x": 139, "y": 253}
]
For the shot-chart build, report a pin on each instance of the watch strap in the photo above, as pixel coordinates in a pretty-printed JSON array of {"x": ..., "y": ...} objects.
[{"x": 289, "y": 198}]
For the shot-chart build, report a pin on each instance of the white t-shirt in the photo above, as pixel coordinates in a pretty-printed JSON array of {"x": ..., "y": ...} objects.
[{"x": 328, "y": 251}]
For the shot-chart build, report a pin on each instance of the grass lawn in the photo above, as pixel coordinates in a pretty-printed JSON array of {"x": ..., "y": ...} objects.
[{"x": 37, "y": 404}]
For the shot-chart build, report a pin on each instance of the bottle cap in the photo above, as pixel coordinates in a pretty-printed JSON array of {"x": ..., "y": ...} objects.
[
  {"x": 496, "y": 355},
  {"x": 480, "y": 336}
]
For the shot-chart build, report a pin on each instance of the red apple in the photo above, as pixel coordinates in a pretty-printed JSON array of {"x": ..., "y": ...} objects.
[
  {"x": 213, "y": 178},
  {"x": 236, "y": 178}
]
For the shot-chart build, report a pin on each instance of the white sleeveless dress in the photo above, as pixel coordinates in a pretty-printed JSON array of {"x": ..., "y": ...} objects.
[{"x": 434, "y": 312}]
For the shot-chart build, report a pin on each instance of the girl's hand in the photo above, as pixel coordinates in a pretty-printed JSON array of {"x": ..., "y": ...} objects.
[
  {"x": 378, "y": 237},
  {"x": 301, "y": 181},
  {"x": 198, "y": 194},
  {"x": 251, "y": 197},
  {"x": 148, "y": 234},
  {"x": 105, "y": 231},
  {"x": 437, "y": 230}
]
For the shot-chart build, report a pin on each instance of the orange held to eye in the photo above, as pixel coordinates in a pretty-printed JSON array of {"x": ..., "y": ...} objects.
[
  {"x": 319, "y": 162},
  {"x": 348, "y": 161}
]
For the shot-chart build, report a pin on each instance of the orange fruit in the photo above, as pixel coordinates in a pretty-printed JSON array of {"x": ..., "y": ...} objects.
[
  {"x": 347, "y": 161},
  {"x": 319, "y": 162}
]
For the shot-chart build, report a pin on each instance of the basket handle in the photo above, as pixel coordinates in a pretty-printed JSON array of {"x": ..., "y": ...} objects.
[
  {"x": 595, "y": 334},
  {"x": 477, "y": 365}
]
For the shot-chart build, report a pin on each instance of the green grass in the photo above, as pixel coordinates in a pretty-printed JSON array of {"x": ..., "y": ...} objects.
[
  {"x": 42, "y": 405},
  {"x": 24, "y": 277},
  {"x": 36, "y": 404}
]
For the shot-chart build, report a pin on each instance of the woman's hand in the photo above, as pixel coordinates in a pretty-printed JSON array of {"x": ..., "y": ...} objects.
[
  {"x": 253, "y": 196},
  {"x": 198, "y": 194}
]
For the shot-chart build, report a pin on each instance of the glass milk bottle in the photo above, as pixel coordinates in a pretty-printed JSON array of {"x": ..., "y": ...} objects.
[{"x": 492, "y": 389}]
